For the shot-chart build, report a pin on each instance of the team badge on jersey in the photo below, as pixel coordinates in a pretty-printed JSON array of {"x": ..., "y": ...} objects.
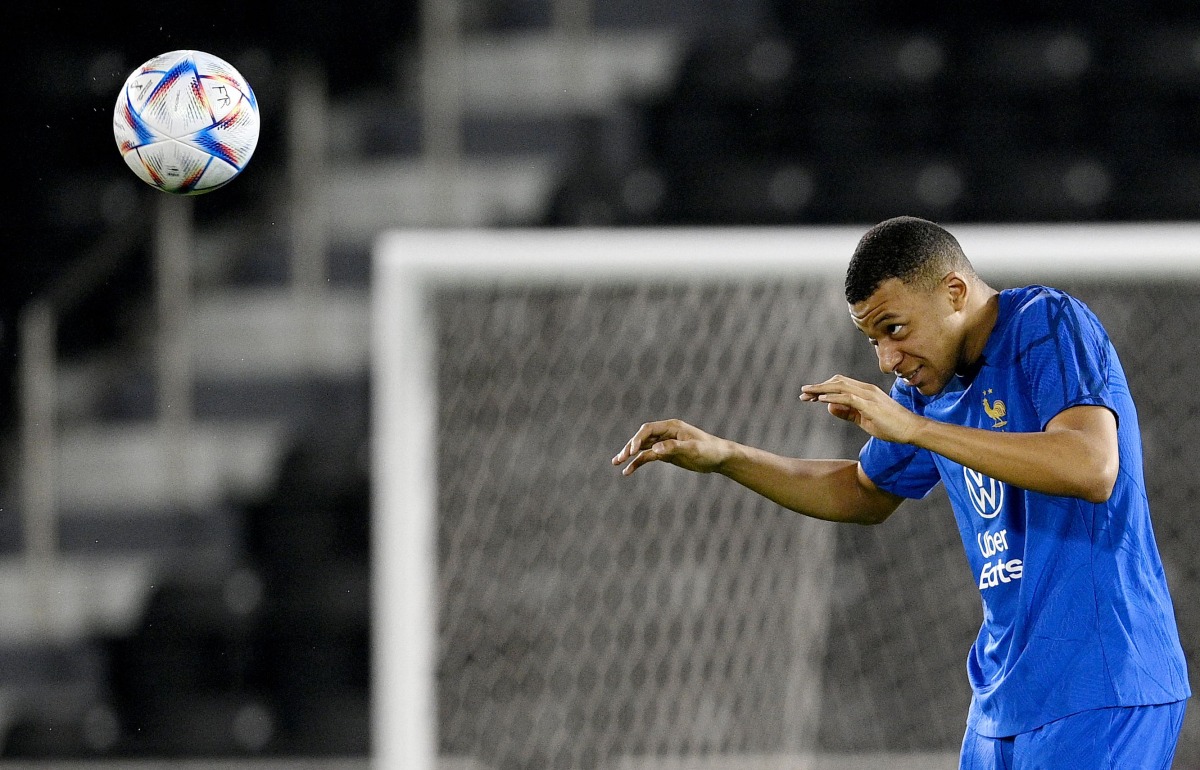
[{"x": 996, "y": 410}]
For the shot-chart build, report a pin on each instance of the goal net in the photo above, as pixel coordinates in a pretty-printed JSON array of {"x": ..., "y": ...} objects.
[{"x": 533, "y": 609}]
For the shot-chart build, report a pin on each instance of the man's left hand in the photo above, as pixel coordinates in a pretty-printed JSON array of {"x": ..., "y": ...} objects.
[{"x": 866, "y": 406}]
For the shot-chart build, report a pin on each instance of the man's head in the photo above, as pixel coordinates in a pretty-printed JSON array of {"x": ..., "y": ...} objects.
[
  {"x": 916, "y": 251},
  {"x": 913, "y": 292}
]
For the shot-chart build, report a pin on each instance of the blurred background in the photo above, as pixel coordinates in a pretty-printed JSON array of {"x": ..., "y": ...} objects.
[{"x": 184, "y": 486}]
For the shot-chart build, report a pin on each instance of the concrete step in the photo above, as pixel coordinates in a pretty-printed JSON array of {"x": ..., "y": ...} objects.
[
  {"x": 249, "y": 333},
  {"x": 540, "y": 72},
  {"x": 260, "y": 338},
  {"x": 289, "y": 399},
  {"x": 76, "y": 598},
  {"x": 183, "y": 538},
  {"x": 124, "y": 467},
  {"x": 385, "y": 193}
]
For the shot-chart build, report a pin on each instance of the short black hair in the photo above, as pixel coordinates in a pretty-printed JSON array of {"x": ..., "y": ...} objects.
[{"x": 915, "y": 250}]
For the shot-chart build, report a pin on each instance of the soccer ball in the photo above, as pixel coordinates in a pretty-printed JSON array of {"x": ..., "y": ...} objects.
[{"x": 186, "y": 122}]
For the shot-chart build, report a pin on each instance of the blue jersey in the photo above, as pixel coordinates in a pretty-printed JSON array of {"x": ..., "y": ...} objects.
[{"x": 1076, "y": 613}]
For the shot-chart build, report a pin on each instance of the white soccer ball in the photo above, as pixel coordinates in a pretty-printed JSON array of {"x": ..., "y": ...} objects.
[{"x": 186, "y": 122}]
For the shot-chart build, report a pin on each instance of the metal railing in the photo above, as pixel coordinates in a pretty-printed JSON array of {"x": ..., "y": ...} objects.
[
  {"x": 38, "y": 380},
  {"x": 40, "y": 451}
]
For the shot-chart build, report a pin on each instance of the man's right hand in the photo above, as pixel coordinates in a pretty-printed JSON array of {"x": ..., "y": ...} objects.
[{"x": 674, "y": 442}]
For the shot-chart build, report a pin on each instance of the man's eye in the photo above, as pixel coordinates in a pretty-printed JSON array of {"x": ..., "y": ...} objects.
[{"x": 893, "y": 329}]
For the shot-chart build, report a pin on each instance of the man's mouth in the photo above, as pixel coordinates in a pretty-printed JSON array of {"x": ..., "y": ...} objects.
[{"x": 911, "y": 377}]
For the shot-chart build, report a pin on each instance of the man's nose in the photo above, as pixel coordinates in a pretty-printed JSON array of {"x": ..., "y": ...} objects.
[{"x": 889, "y": 358}]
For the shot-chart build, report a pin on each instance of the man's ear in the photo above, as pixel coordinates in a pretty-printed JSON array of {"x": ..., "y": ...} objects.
[{"x": 957, "y": 289}]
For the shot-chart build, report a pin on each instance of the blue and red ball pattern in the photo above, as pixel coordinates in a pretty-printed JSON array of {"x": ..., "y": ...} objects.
[{"x": 186, "y": 122}]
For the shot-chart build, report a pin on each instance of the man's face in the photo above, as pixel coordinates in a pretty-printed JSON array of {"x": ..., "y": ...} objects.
[{"x": 917, "y": 334}]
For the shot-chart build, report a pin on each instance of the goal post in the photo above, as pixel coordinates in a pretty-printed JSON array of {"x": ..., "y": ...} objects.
[{"x": 531, "y": 609}]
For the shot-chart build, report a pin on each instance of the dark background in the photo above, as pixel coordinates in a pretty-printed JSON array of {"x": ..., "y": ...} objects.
[
  {"x": 1041, "y": 112},
  {"x": 780, "y": 113}
]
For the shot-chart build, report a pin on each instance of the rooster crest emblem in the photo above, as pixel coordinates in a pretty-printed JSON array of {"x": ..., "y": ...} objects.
[{"x": 996, "y": 410}]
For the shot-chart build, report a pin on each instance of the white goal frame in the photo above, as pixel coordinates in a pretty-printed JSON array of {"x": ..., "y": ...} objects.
[{"x": 408, "y": 265}]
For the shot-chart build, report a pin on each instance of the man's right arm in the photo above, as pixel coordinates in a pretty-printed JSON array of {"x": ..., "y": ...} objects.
[{"x": 833, "y": 490}]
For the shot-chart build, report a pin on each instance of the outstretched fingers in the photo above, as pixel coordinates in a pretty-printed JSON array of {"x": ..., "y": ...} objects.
[
  {"x": 836, "y": 385},
  {"x": 646, "y": 436},
  {"x": 641, "y": 458},
  {"x": 866, "y": 405},
  {"x": 844, "y": 406},
  {"x": 852, "y": 400}
]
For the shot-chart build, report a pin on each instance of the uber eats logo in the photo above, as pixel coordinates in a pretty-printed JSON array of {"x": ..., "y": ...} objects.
[{"x": 987, "y": 497}]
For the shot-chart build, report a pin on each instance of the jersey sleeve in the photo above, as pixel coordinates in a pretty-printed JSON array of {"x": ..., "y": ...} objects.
[
  {"x": 901, "y": 469},
  {"x": 1064, "y": 356}
]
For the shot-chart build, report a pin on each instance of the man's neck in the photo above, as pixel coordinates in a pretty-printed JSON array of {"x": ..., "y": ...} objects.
[{"x": 985, "y": 309}]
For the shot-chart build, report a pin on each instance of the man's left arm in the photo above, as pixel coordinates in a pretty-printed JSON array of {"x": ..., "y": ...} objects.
[{"x": 1075, "y": 456}]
